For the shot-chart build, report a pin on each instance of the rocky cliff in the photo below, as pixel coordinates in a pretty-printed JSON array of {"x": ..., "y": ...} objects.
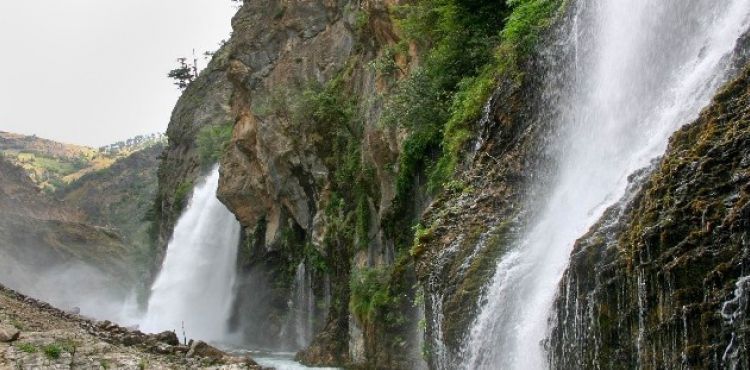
[
  {"x": 386, "y": 154},
  {"x": 661, "y": 281},
  {"x": 203, "y": 104},
  {"x": 348, "y": 118}
]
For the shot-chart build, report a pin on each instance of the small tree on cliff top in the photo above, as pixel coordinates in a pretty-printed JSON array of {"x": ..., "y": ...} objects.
[{"x": 184, "y": 74}]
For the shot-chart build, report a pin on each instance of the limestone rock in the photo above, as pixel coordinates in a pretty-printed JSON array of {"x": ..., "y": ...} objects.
[
  {"x": 168, "y": 337},
  {"x": 202, "y": 349},
  {"x": 8, "y": 333}
]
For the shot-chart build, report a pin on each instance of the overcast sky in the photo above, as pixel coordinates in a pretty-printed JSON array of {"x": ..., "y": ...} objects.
[{"x": 94, "y": 71}]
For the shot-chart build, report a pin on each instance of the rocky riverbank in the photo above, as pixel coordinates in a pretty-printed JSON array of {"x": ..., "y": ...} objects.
[{"x": 35, "y": 335}]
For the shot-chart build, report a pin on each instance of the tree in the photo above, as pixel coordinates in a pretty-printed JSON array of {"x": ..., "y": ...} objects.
[{"x": 184, "y": 74}]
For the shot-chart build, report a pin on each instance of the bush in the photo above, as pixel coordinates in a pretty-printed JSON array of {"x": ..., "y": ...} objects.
[
  {"x": 181, "y": 194},
  {"x": 52, "y": 351},
  {"x": 369, "y": 293}
]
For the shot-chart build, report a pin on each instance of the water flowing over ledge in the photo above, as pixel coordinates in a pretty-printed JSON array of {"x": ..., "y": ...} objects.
[
  {"x": 641, "y": 70},
  {"x": 194, "y": 290}
]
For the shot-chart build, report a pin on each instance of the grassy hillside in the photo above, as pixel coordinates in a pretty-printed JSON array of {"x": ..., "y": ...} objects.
[
  {"x": 52, "y": 165},
  {"x": 120, "y": 197}
]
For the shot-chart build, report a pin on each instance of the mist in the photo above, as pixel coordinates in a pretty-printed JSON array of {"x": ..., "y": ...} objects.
[{"x": 71, "y": 286}]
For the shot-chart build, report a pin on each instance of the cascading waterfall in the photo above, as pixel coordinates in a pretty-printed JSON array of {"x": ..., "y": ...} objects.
[
  {"x": 195, "y": 287},
  {"x": 642, "y": 68}
]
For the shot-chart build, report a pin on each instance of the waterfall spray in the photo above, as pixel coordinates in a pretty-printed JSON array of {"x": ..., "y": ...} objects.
[{"x": 642, "y": 69}]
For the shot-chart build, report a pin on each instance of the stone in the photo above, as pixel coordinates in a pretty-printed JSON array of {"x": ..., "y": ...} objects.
[
  {"x": 202, "y": 349},
  {"x": 8, "y": 333},
  {"x": 168, "y": 337}
]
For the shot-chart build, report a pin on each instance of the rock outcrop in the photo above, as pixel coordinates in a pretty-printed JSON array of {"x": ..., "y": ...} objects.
[
  {"x": 661, "y": 281},
  {"x": 283, "y": 173},
  {"x": 204, "y": 103}
]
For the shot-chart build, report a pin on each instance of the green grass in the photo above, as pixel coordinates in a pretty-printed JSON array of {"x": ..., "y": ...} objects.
[
  {"x": 52, "y": 351},
  {"x": 27, "y": 348}
]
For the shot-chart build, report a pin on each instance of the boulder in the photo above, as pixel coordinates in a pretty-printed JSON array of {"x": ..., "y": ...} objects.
[
  {"x": 8, "y": 333},
  {"x": 168, "y": 337},
  {"x": 202, "y": 349}
]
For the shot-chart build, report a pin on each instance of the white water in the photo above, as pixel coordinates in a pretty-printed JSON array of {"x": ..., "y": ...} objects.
[
  {"x": 642, "y": 69},
  {"x": 195, "y": 285}
]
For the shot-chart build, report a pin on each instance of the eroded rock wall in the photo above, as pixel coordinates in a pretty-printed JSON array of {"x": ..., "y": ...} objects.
[{"x": 661, "y": 281}]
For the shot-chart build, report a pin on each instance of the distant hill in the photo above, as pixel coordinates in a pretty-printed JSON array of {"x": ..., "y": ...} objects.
[
  {"x": 64, "y": 205},
  {"x": 52, "y": 165},
  {"x": 119, "y": 196},
  {"x": 39, "y": 233}
]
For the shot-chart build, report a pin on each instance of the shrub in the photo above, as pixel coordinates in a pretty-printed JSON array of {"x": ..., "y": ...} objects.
[
  {"x": 368, "y": 293},
  {"x": 181, "y": 194},
  {"x": 464, "y": 56},
  {"x": 52, "y": 351}
]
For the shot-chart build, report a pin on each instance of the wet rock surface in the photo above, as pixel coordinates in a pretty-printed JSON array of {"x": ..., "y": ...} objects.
[{"x": 661, "y": 281}]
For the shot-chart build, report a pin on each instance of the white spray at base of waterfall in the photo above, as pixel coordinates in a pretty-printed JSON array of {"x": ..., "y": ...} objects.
[
  {"x": 643, "y": 69},
  {"x": 195, "y": 287}
]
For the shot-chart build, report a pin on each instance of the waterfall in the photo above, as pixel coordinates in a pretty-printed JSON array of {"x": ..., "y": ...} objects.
[
  {"x": 195, "y": 287},
  {"x": 641, "y": 69}
]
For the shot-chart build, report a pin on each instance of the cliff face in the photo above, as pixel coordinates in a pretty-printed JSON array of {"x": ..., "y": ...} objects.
[
  {"x": 204, "y": 103},
  {"x": 348, "y": 117},
  {"x": 300, "y": 84},
  {"x": 661, "y": 281},
  {"x": 372, "y": 175}
]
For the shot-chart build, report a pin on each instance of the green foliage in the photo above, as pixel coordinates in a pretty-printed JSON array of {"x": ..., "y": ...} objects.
[
  {"x": 465, "y": 55},
  {"x": 369, "y": 293},
  {"x": 212, "y": 142},
  {"x": 361, "y": 19},
  {"x": 421, "y": 235},
  {"x": 181, "y": 194},
  {"x": 528, "y": 19},
  {"x": 52, "y": 351},
  {"x": 315, "y": 259},
  {"x": 329, "y": 115},
  {"x": 385, "y": 64},
  {"x": 184, "y": 74},
  {"x": 27, "y": 348}
]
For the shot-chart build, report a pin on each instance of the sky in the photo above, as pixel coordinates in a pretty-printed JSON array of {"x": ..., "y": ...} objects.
[{"x": 93, "y": 72}]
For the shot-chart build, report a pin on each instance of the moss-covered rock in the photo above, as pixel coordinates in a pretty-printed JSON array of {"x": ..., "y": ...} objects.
[{"x": 661, "y": 282}]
